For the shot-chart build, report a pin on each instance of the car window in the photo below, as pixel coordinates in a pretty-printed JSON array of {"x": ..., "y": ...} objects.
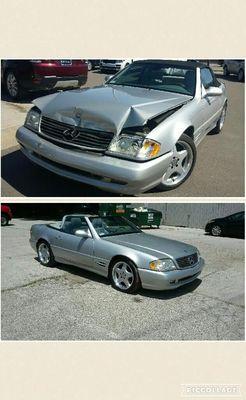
[
  {"x": 158, "y": 76},
  {"x": 73, "y": 223},
  {"x": 207, "y": 77},
  {"x": 236, "y": 217},
  {"x": 111, "y": 226}
]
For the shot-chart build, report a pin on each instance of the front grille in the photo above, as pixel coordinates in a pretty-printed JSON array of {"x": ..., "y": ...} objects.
[
  {"x": 85, "y": 138},
  {"x": 188, "y": 261}
]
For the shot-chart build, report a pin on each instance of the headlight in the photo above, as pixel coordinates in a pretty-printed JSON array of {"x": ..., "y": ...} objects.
[
  {"x": 163, "y": 265},
  {"x": 135, "y": 147},
  {"x": 33, "y": 119}
]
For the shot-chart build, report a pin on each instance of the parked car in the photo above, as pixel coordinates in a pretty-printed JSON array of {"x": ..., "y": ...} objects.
[
  {"x": 114, "y": 65},
  {"x": 93, "y": 64},
  {"x": 227, "y": 226},
  {"x": 115, "y": 248},
  {"x": 235, "y": 67},
  {"x": 138, "y": 131},
  {"x": 20, "y": 76},
  {"x": 6, "y": 215}
]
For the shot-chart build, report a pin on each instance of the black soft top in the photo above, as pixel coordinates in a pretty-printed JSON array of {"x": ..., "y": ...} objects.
[{"x": 174, "y": 63}]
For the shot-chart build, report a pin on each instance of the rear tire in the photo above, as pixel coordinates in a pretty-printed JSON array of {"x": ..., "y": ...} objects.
[
  {"x": 4, "y": 220},
  {"x": 241, "y": 75},
  {"x": 45, "y": 254},
  {"x": 12, "y": 85},
  {"x": 221, "y": 121},
  {"x": 225, "y": 70}
]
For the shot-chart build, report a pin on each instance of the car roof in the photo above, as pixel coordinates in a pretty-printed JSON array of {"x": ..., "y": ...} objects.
[{"x": 178, "y": 63}]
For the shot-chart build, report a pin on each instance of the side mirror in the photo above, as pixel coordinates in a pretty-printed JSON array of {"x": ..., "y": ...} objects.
[
  {"x": 107, "y": 77},
  {"x": 213, "y": 91},
  {"x": 82, "y": 233}
]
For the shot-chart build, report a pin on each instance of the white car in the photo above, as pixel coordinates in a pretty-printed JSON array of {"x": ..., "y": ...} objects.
[{"x": 114, "y": 65}]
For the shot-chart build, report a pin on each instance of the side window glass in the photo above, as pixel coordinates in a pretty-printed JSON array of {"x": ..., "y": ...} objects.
[{"x": 207, "y": 78}]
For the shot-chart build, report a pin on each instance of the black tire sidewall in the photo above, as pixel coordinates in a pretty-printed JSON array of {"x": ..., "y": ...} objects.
[
  {"x": 6, "y": 220},
  {"x": 136, "y": 283},
  {"x": 184, "y": 138},
  {"x": 6, "y": 86},
  {"x": 51, "y": 263},
  {"x": 211, "y": 230}
]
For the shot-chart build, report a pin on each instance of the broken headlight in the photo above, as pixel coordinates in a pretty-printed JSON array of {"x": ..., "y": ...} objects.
[{"x": 134, "y": 146}]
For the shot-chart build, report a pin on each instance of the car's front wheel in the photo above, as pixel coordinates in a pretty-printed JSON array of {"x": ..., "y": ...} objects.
[
  {"x": 124, "y": 276},
  {"x": 181, "y": 165},
  {"x": 216, "y": 230},
  {"x": 45, "y": 254}
]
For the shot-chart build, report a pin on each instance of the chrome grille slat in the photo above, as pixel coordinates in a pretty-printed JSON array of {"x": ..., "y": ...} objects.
[
  {"x": 87, "y": 138},
  {"x": 185, "y": 262}
]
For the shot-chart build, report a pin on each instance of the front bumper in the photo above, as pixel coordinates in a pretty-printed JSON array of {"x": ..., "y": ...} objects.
[
  {"x": 105, "y": 172},
  {"x": 169, "y": 280}
]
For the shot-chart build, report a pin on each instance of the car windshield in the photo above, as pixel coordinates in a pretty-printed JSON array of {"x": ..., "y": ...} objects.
[
  {"x": 157, "y": 76},
  {"x": 111, "y": 226}
]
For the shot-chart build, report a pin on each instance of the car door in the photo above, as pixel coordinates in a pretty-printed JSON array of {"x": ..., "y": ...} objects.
[
  {"x": 72, "y": 249},
  {"x": 209, "y": 107},
  {"x": 235, "y": 224}
]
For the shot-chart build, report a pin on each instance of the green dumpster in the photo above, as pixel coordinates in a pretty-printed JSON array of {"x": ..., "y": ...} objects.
[{"x": 139, "y": 215}]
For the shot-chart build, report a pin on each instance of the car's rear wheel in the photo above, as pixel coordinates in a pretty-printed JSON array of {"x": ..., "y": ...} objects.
[
  {"x": 225, "y": 70},
  {"x": 4, "y": 220},
  {"x": 216, "y": 230},
  {"x": 12, "y": 85},
  {"x": 241, "y": 75},
  {"x": 181, "y": 165},
  {"x": 124, "y": 276},
  {"x": 89, "y": 64},
  {"x": 45, "y": 254},
  {"x": 221, "y": 121}
]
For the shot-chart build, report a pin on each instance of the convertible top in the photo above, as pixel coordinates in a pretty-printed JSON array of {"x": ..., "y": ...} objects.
[{"x": 174, "y": 63}]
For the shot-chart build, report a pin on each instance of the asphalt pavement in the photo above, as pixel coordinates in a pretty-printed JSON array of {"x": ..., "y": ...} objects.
[
  {"x": 219, "y": 170},
  {"x": 68, "y": 303}
]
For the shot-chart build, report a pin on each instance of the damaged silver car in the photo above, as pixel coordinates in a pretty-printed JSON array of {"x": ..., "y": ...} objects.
[
  {"x": 138, "y": 131},
  {"x": 115, "y": 248}
]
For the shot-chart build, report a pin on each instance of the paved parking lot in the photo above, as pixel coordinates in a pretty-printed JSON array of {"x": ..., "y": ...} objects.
[
  {"x": 219, "y": 170},
  {"x": 67, "y": 303}
]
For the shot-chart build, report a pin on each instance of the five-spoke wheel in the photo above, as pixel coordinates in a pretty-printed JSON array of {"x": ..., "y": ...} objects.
[{"x": 124, "y": 276}]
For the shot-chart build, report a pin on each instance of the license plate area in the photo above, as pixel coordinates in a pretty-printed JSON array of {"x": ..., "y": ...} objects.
[
  {"x": 66, "y": 63},
  {"x": 65, "y": 84}
]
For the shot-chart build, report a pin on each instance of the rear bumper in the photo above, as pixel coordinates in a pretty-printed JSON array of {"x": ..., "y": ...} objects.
[
  {"x": 49, "y": 82},
  {"x": 105, "y": 172},
  {"x": 170, "y": 280}
]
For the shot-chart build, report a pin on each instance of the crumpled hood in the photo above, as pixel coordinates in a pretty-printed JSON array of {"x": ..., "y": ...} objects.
[
  {"x": 108, "y": 108},
  {"x": 155, "y": 246}
]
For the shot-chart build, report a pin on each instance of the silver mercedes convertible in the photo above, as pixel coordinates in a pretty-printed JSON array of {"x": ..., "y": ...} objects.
[
  {"x": 115, "y": 248},
  {"x": 138, "y": 131}
]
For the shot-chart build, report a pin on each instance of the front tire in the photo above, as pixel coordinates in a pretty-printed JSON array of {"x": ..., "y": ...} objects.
[
  {"x": 181, "y": 165},
  {"x": 216, "y": 230},
  {"x": 124, "y": 276},
  {"x": 45, "y": 254}
]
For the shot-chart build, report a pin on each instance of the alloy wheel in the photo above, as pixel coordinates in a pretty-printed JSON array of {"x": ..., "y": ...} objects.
[
  {"x": 216, "y": 230},
  {"x": 123, "y": 275},
  {"x": 180, "y": 165},
  {"x": 12, "y": 84},
  {"x": 44, "y": 253},
  {"x": 4, "y": 220}
]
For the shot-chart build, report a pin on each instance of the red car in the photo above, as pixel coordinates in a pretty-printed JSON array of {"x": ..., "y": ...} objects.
[
  {"x": 20, "y": 76},
  {"x": 6, "y": 215}
]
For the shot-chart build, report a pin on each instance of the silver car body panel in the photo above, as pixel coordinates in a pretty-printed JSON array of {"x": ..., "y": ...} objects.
[
  {"x": 95, "y": 253},
  {"x": 112, "y": 108}
]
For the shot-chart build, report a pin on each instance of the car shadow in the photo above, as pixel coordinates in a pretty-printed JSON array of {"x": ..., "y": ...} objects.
[
  {"x": 161, "y": 295},
  {"x": 31, "y": 180},
  {"x": 231, "y": 236},
  {"x": 229, "y": 78}
]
